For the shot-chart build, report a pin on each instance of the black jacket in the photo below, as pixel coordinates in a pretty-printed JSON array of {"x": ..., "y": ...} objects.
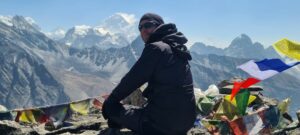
[{"x": 164, "y": 65}]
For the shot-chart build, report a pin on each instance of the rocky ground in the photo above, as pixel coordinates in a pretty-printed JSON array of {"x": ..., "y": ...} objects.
[
  {"x": 95, "y": 124},
  {"x": 92, "y": 124}
]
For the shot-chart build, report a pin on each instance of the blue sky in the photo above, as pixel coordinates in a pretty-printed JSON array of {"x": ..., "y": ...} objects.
[{"x": 213, "y": 22}]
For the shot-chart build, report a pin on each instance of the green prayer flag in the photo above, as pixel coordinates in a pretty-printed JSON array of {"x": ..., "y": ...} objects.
[{"x": 242, "y": 101}]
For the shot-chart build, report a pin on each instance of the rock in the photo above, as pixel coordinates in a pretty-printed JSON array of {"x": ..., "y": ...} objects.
[
  {"x": 3, "y": 108},
  {"x": 198, "y": 131},
  {"x": 12, "y": 128},
  {"x": 135, "y": 99}
]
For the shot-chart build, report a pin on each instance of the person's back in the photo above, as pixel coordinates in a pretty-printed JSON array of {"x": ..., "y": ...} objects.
[
  {"x": 171, "y": 104},
  {"x": 164, "y": 65}
]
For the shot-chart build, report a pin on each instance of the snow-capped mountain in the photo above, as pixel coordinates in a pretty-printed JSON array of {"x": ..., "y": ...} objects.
[
  {"x": 83, "y": 36},
  {"x": 24, "y": 80},
  {"x": 37, "y": 71},
  {"x": 57, "y": 34},
  {"x": 122, "y": 24},
  {"x": 19, "y": 29},
  {"x": 117, "y": 31},
  {"x": 6, "y": 20},
  {"x": 13, "y": 21}
]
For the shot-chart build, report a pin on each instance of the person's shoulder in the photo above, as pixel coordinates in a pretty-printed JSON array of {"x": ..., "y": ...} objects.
[{"x": 163, "y": 47}]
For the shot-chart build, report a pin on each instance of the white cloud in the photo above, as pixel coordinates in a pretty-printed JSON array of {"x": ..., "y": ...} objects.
[{"x": 130, "y": 18}]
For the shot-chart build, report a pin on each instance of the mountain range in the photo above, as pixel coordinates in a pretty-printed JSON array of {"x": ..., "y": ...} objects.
[
  {"x": 240, "y": 47},
  {"x": 37, "y": 69}
]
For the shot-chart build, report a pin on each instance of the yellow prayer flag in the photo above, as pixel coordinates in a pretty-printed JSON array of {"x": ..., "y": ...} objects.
[
  {"x": 81, "y": 107},
  {"x": 27, "y": 116},
  {"x": 289, "y": 48},
  {"x": 283, "y": 105},
  {"x": 207, "y": 123},
  {"x": 251, "y": 99},
  {"x": 227, "y": 109}
]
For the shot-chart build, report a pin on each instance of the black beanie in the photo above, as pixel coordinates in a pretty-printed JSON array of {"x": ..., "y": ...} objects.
[{"x": 152, "y": 16}]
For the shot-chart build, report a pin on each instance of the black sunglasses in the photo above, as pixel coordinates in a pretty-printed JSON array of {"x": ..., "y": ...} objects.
[{"x": 148, "y": 25}]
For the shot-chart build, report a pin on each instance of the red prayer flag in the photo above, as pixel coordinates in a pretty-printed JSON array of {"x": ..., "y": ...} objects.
[
  {"x": 97, "y": 104},
  {"x": 242, "y": 85}
]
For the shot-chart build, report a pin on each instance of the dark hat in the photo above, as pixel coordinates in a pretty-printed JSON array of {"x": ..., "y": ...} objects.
[{"x": 153, "y": 17}]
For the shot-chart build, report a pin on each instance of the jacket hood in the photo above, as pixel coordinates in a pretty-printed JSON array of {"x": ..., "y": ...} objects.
[{"x": 168, "y": 33}]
